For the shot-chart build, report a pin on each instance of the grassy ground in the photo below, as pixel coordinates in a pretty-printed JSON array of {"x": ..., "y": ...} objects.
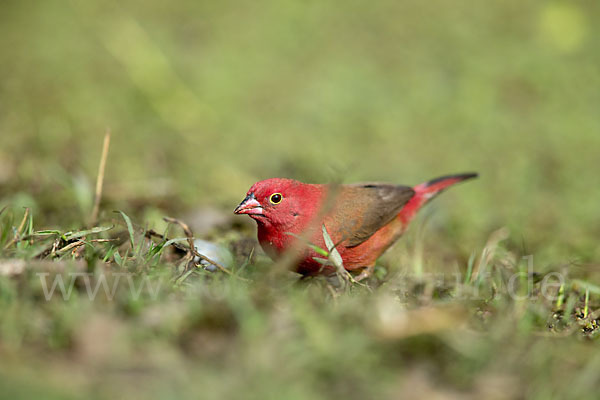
[
  {"x": 203, "y": 99},
  {"x": 131, "y": 321}
]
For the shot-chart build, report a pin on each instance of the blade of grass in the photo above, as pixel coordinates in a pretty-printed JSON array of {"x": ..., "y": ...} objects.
[
  {"x": 118, "y": 259},
  {"x": 78, "y": 234},
  {"x": 334, "y": 255},
  {"x": 336, "y": 259},
  {"x": 561, "y": 297},
  {"x": 1, "y": 225},
  {"x": 46, "y": 233},
  {"x": 27, "y": 232},
  {"x": 129, "y": 228},
  {"x": 109, "y": 253},
  {"x": 18, "y": 232},
  {"x": 470, "y": 268},
  {"x": 587, "y": 301},
  {"x": 29, "y": 228},
  {"x": 100, "y": 179}
]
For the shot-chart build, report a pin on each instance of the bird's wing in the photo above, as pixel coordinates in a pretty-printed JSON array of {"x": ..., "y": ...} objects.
[{"x": 362, "y": 209}]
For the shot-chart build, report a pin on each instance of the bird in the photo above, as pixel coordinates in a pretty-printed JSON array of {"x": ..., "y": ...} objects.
[{"x": 363, "y": 220}]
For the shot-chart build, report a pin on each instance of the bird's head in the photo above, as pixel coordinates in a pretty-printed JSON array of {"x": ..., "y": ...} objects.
[{"x": 279, "y": 202}]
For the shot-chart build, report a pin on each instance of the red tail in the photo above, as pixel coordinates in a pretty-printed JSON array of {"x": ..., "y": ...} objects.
[{"x": 428, "y": 190}]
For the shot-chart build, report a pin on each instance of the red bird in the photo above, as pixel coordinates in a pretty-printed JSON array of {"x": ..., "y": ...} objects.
[{"x": 363, "y": 219}]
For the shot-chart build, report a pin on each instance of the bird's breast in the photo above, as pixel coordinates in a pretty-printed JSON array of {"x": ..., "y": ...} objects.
[{"x": 274, "y": 243}]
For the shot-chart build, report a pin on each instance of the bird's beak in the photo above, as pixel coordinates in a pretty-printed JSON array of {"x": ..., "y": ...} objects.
[{"x": 249, "y": 206}]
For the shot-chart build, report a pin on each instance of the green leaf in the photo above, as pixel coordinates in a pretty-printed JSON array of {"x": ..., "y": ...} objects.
[
  {"x": 109, "y": 253},
  {"x": 129, "y": 228},
  {"x": 470, "y": 268},
  {"x": 29, "y": 227},
  {"x": 78, "y": 234},
  {"x": 334, "y": 255},
  {"x": 118, "y": 258},
  {"x": 171, "y": 241},
  {"x": 46, "y": 233},
  {"x": 322, "y": 261}
]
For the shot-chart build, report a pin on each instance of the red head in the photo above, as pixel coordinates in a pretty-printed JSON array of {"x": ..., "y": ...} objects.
[{"x": 281, "y": 203}]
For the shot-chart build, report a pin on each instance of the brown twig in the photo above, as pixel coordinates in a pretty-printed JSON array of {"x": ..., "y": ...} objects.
[
  {"x": 100, "y": 179},
  {"x": 103, "y": 240},
  {"x": 70, "y": 246}
]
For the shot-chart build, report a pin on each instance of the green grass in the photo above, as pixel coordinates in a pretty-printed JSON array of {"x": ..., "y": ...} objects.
[
  {"x": 155, "y": 330},
  {"x": 203, "y": 99}
]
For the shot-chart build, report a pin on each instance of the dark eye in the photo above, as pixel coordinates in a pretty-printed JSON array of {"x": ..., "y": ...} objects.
[{"x": 276, "y": 198}]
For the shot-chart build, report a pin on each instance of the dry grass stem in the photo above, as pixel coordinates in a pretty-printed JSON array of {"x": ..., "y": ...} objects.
[{"x": 100, "y": 179}]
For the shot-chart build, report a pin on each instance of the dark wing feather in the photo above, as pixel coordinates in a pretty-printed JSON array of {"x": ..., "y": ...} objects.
[{"x": 362, "y": 209}]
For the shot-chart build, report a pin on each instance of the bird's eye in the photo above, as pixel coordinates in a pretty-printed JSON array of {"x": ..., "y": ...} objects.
[{"x": 276, "y": 198}]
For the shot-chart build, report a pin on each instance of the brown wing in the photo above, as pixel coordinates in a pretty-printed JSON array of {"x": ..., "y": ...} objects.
[{"x": 362, "y": 209}]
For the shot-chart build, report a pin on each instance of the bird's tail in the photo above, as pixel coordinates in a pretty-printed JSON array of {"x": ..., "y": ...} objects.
[{"x": 428, "y": 190}]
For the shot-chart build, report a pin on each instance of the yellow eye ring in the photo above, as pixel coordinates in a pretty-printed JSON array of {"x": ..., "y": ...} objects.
[{"x": 275, "y": 198}]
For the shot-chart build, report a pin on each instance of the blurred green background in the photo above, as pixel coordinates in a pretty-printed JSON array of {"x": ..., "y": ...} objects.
[{"x": 203, "y": 99}]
